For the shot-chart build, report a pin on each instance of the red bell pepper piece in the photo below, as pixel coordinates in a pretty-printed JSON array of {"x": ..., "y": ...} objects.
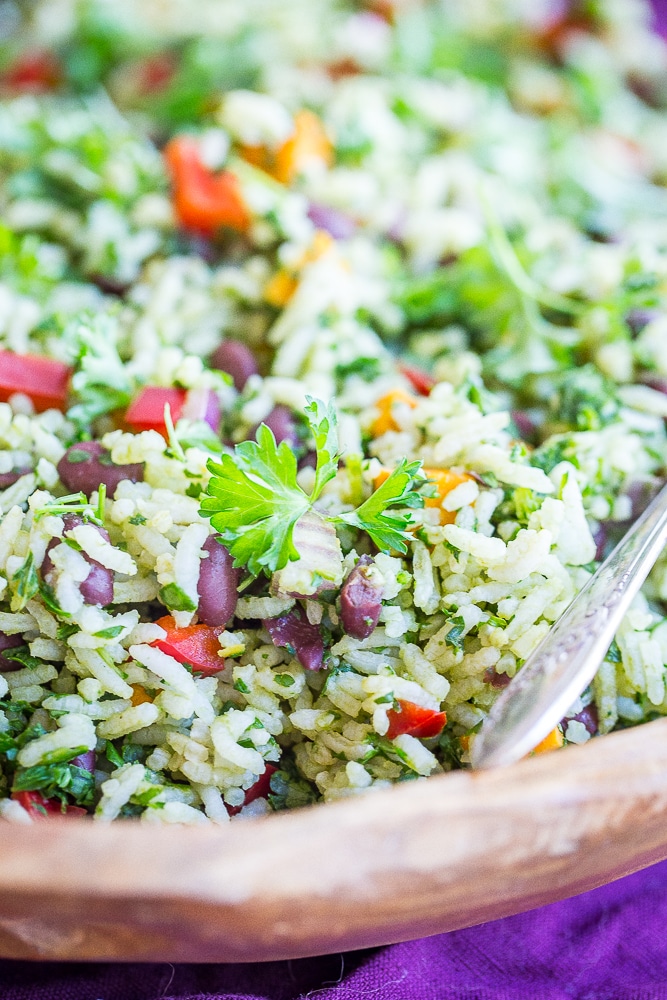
[
  {"x": 259, "y": 790},
  {"x": 414, "y": 720},
  {"x": 204, "y": 201},
  {"x": 38, "y": 807},
  {"x": 156, "y": 73},
  {"x": 44, "y": 380},
  {"x": 146, "y": 411},
  {"x": 195, "y": 644},
  {"x": 421, "y": 381},
  {"x": 34, "y": 71}
]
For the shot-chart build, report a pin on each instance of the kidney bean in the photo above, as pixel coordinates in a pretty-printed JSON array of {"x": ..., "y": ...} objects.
[
  {"x": 657, "y": 382},
  {"x": 9, "y": 642},
  {"x": 87, "y": 464},
  {"x": 237, "y": 360},
  {"x": 202, "y": 404},
  {"x": 496, "y": 680},
  {"x": 640, "y": 492},
  {"x": 85, "y": 760},
  {"x": 309, "y": 460},
  {"x": 637, "y": 319},
  {"x": 281, "y": 421},
  {"x": 588, "y": 717},
  {"x": 217, "y": 585},
  {"x": 8, "y": 479},
  {"x": 361, "y": 599},
  {"x": 525, "y": 426},
  {"x": 97, "y": 588},
  {"x": 332, "y": 220},
  {"x": 296, "y": 632},
  {"x": 600, "y": 538}
]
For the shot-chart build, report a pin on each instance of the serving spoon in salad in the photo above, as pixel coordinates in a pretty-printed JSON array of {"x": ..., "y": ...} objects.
[{"x": 566, "y": 660}]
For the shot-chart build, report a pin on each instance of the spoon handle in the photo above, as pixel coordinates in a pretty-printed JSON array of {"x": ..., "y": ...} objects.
[{"x": 566, "y": 660}]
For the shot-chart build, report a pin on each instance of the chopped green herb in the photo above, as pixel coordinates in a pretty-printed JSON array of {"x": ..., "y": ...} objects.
[
  {"x": 21, "y": 654},
  {"x": 26, "y": 582},
  {"x": 109, "y": 633},
  {"x": 174, "y": 598}
]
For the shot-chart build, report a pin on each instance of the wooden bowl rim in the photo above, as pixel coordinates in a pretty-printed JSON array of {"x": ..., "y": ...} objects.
[{"x": 419, "y": 858}]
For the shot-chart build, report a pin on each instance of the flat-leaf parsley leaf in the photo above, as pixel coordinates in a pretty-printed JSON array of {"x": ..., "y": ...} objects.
[{"x": 254, "y": 499}]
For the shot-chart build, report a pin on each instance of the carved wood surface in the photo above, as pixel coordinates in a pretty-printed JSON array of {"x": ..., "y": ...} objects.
[{"x": 421, "y": 858}]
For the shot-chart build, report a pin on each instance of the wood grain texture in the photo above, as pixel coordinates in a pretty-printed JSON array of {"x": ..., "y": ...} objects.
[{"x": 421, "y": 858}]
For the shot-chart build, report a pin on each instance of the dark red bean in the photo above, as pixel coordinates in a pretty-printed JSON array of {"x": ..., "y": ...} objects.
[
  {"x": 110, "y": 285},
  {"x": 332, "y": 220},
  {"x": 600, "y": 538},
  {"x": 281, "y": 421},
  {"x": 97, "y": 588},
  {"x": 85, "y": 760},
  {"x": 87, "y": 464},
  {"x": 237, "y": 360},
  {"x": 217, "y": 586},
  {"x": 309, "y": 460},
  {"x": 202, "y": 404},
  {"x": 525, "y": 425},
  {"x": 637, "y": 319},
  {"x": 361, "y": 599},
  {"x": 496, "y": 680},
  {"x": 8, "y": 479},
  {"x": 640, "y": 492},
  {"x": 294, "y": 631},
  {"x": 588, "y": 718},
  {"x": 657, "y": 382},
  {"x": 9, "y": 642}
]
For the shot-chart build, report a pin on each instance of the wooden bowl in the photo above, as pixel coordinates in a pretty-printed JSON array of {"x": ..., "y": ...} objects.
[{"x": 421, "y": 858}]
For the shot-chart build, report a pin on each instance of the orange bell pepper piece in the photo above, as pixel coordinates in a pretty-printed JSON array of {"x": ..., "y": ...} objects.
[
  {"x": 444, "y": 480},
  {"x": 385, "y": 419},
  {"x": 553, "y": 741},
  {"x": 309, "y": 143},
  {"x": 139, "y": 695}
]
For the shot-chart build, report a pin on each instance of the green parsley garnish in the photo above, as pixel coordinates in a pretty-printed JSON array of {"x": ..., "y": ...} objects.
[{"x": 254, "y": 500}]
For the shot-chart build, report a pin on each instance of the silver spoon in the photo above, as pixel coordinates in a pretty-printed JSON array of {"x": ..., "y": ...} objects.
[{"x": 566, "y": 660}]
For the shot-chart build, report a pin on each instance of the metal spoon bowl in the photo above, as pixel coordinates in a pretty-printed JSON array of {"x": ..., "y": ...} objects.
[{"x": 566, "y": 661}]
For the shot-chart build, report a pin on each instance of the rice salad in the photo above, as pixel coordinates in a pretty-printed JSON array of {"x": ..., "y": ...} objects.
[{"x": 333, "y": 360}]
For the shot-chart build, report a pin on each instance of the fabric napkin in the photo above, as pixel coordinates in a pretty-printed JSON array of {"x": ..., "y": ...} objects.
[{"x": 608, "y": 944}]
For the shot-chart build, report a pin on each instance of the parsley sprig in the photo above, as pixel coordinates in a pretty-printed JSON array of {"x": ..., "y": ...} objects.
[{"x": 254, "y": 500}]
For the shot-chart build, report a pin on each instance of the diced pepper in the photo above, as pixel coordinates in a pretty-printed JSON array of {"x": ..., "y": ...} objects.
[
  {"x": 146, "y": 411},
  {"x": 551, "y": 742},
  {"x": 35, "y": 71},
  {"x": 464, "y": 743},
  {"x": 44, "y": 380},
  {"x": 308, "y": 143},
  {"x": 385, "y": 419},
  {"x": 197, "y": 645},
  {"x": 280, "y": 288},
  {"x": 139, "y": 695},
  {"x": 156, "y": 72},
  {"x": 282, "y": 285},
  {"x": 414, "y": 720},
  {"x": 38, "y": 807},
  {"x": 259, "y": 790},
  {"x": 204, "y": 201},
  {"x": 444, "y": 480},
  {"x": 421, "y": 381}
]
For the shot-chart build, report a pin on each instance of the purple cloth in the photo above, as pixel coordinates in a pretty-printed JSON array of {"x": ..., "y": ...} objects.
[{"x": 609, "y": 944}]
